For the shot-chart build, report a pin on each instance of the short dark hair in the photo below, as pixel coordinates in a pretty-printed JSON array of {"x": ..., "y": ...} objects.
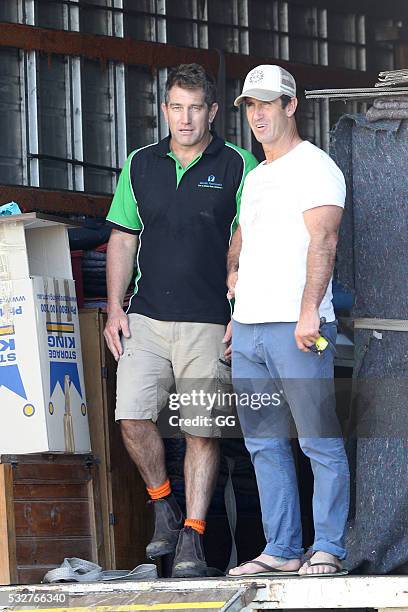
[
  {"x": 285, "y": 100},
  {"x": 191, "y": 76}
]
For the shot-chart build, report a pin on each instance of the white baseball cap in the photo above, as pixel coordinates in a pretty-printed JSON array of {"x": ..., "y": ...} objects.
[{"x": 267, "y": 82}]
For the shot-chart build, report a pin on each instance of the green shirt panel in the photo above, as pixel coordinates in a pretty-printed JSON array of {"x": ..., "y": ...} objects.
[
  {"x": 250, "y": 162},
  {"x": 124, "y": 209}
]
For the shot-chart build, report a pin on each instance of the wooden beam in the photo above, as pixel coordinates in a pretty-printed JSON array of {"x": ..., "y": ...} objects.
[
  {"x": 154, "y": 55},
  {"x": 34, "y": 199},
  {"x": 103, "y": 48},
  {"x": 8, "y": 562},
  {"x": 307, "y": 76}
]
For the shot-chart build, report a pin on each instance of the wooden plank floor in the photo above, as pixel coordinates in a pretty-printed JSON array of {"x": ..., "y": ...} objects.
[{"x": 378, "y": 592}]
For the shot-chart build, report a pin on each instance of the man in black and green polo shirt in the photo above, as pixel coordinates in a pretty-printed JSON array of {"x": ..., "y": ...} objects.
[{"x": 175, "y": 209}]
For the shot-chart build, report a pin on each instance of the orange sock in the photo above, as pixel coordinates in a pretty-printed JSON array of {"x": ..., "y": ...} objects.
[
  {"x": 196, "y": 524},
  {"x": 159, "y": 492}
]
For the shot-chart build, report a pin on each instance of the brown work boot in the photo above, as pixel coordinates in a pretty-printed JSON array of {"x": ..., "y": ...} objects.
[
  {"x": 168, "y": 520},
  {"x": 189, "y": 561}
]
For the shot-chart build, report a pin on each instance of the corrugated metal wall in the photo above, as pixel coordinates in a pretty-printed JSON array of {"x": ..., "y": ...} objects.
[{"x": 69, "y": 122}]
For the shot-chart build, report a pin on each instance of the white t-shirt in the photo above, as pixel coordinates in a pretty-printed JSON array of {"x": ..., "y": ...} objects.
[{"x": 275, "y": 241}]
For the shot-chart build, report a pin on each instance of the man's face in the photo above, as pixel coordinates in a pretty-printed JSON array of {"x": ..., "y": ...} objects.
[
  {"x": 268, "y": 120},
  {"x": 188, "y": 115}
]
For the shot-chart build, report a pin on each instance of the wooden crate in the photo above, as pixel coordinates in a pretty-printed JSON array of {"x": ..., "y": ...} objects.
[
  {"x": 49, "y": 510},
  {"x": 127, "y": 522}
]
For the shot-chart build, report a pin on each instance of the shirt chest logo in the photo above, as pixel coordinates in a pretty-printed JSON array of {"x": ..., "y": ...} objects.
[{"x": 210, "y": 183}]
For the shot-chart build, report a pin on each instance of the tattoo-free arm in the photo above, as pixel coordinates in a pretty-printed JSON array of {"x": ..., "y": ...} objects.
[
  {"x": 232, "y": 276},
  {"x": 233, "y": 261},
  {"x": 323, "y": 224},
  {"x": 119, "y": 271}
]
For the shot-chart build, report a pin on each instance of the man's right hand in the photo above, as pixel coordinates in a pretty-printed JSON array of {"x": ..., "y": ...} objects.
[{"x": 116, "y": 324}]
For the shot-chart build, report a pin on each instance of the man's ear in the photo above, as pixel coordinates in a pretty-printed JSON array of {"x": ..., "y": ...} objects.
[
  {"x": 165, "y": 112},
  {"x": 291, "y": 107},
  {"x": 213, "y": 112}
]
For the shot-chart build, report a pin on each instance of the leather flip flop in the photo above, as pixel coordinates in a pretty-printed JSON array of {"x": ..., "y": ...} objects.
[
  {"x": 339, "y": 571},
  {"x": 270, "y": 571}
]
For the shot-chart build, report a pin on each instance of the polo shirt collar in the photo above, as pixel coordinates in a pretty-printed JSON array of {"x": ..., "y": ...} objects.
[
  {"x": 163, "y": 146},
  {"x": 215, "y": 145}
]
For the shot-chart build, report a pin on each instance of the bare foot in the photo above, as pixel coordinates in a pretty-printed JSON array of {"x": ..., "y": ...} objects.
[
  {"x": 278, "y": 563},
  {"x": 321, "y": 559}
]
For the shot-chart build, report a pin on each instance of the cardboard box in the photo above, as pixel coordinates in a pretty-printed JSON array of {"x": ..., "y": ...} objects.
[
  {"x": 42, "y": 395},
  {"x": 34, "y": 245}
]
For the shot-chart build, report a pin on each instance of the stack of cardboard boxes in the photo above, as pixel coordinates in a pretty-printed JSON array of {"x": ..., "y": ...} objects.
[
  {"x": 42, "y": 396},
  {"x": 49, "y": 503}
]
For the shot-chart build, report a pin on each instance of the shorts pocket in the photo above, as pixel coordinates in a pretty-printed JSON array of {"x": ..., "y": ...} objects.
[
  {"x": 225, "y": 389},
  {"x": 224, "y": 372}
]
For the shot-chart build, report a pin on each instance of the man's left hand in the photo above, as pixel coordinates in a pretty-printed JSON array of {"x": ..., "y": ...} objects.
[{"x": 307, "y": 330}]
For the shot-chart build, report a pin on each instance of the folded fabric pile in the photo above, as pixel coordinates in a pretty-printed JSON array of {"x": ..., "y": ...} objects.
[
  {"x": 388, "y": 108},
  {"x": 94, "y": 276},
  {"x": 92, "y": 233},
  {"x": 91, "y": 241},
  {"x": 392, "y": 78},
  {"x": 94, "y": 272}
]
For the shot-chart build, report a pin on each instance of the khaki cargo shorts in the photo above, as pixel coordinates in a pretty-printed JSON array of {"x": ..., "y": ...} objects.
[{"x": 175, "y": 364}]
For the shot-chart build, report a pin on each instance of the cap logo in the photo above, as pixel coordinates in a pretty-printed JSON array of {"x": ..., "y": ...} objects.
[
  {"x": 286, "y": 81},
  {"x": 256, "y": 76}
]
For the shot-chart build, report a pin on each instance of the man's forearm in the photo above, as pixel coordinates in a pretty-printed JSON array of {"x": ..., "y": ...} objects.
[
  {"x": 234, "y": 251},
  {"x": 319, "y": 268},
  {"x": 120, "y": 265}
]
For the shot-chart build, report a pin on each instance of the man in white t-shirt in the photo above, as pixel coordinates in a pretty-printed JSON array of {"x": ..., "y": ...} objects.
[{"x": 280, "y": 265}]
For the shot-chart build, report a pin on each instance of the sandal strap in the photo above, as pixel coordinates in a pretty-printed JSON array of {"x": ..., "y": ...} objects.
[
  {"x": 337, "y": 567},
  {"x": 265, "y": 566}
]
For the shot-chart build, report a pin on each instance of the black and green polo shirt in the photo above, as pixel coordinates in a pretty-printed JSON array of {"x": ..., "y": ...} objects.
[{"x": 185, "y": 218}]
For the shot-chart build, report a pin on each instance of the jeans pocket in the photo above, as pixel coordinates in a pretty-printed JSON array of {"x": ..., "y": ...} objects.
[{"x": 329, "y": 331}]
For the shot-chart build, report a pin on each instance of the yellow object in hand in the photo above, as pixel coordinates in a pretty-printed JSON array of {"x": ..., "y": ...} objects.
[{"x": 321, "y": 343}]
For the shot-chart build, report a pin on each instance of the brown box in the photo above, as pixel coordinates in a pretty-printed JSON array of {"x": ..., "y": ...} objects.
[{"x": 49, "y": 510}]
